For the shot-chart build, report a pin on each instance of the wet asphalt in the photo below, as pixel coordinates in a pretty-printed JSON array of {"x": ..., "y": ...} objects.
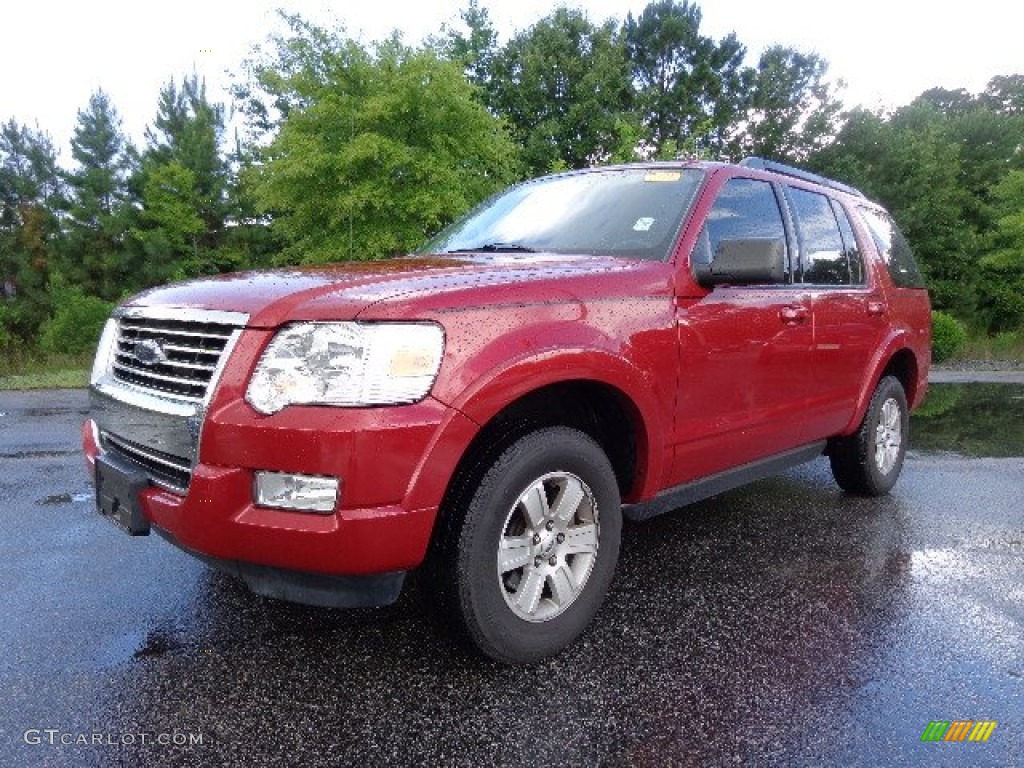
[{"x": 780, "y": 624}]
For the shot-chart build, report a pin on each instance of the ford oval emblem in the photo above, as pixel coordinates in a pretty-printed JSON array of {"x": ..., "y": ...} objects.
[{"x": 148, "y": 352}]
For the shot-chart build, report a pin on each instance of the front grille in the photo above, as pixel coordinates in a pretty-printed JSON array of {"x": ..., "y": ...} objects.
[
  {"x": 164, "y": 469},
  {"x": 180, "y": 361}
]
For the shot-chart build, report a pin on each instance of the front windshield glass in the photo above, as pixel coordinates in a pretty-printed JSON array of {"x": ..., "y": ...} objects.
[{"x": 634, "y": 212}]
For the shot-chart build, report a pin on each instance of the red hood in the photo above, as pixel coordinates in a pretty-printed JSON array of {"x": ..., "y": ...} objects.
[{"x": 397, "y": 286}]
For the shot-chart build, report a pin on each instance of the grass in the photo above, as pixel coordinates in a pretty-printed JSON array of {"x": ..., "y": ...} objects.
[
  {"x": 1002, "y": 346},
  {"x": 39, "y": 371}
]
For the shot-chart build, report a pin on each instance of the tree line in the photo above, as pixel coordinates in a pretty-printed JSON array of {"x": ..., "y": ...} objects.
[{"x": 353, "y": 150}]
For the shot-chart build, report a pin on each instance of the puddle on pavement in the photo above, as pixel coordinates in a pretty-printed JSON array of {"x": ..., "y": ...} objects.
[
  {"x": 55, "y": 498},
  {"x": 65, "y": 498},
  {"x": 981, "y": 420}
]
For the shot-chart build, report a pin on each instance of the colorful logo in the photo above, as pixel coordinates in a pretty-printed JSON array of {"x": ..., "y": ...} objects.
[{"x": 959, "y": 730}]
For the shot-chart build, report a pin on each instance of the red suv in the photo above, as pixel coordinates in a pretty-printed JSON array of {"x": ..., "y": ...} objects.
[{"x": 620, "y": 340}]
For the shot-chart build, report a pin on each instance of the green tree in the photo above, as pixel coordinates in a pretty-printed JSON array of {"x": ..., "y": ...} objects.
[
  {"x": 1005, "y": 94},
  {"x": 1002, "y": 303},
  {"x": 987, "y": 129},
  {"x": 30, "y": 193},
  {"x": 183, "y": 179},
  {"x": 169, "y": 224},
  {"x": 563, "y": 86},
  {"x": 97, "y": 219},
  {"x": 689, "y": 89},
  {"x": 949, "y": 102},
  {"x": 793, "y": 109},
  {"x": 376, "y": 148},
  {"x": 475, "y": 48}
]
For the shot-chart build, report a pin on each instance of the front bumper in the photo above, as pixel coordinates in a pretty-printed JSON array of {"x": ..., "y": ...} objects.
[{"x": 393, "y": 464}]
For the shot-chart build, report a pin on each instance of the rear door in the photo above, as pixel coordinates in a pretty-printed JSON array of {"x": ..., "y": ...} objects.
[
  {"x": 849, "y": 312},
  {"x": 744, "y": 349}
]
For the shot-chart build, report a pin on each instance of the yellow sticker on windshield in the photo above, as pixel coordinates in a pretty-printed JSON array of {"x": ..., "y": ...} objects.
[{"x": 663, "y": 176}]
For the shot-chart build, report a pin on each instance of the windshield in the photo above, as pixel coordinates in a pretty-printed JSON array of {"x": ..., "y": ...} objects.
[{"x": 634, "y": 212}]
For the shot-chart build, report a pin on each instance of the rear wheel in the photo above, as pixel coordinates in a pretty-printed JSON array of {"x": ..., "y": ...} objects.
[
  {"x": 536, "y": 547},
  {"x": 869, "y": 461}
]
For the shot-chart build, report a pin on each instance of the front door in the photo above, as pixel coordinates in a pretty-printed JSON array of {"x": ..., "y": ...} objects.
[{"x": 745, "y": 350}]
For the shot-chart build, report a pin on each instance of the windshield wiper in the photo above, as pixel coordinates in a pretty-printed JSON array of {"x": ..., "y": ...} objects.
[{"x": 495, "y": 248}]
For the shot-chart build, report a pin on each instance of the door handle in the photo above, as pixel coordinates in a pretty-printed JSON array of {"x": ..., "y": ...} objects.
[
  {"x": 875, "y": 308},
  {"x": 794, "y": 314}
]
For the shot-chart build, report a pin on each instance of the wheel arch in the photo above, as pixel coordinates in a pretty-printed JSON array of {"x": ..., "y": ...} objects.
[
  {"x": 598, "y": 409},
  {"x": 897, "y": 360}
]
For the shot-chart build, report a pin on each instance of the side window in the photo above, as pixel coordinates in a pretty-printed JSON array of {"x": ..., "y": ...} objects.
[
  {"x": 894, "y": 249},
  {"x": 858, "y": 276},
  {"x": 823, "y": 252},
  {"x": 744, "y": 208}
]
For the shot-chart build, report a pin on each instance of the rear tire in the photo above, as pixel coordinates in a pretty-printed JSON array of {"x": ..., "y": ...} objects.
[
  {"x": 531, "y": 556},
  {"x": 868, "y": 462}
]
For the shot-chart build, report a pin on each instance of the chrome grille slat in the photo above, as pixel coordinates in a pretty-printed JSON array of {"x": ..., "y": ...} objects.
[
  {"x": 158, "y": 376},
  {"x": 176, "y": 363},
  {"x": 191, "y": 350},
  {"x": 153, "y": 332}
]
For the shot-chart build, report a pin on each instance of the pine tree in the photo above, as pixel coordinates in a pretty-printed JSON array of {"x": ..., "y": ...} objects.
[
  {"x": 97, "y": 215},
  {"x": 690, "y": 89},
  {"x": 30, "y": 192},
  {"x": 182, "y": 184}
]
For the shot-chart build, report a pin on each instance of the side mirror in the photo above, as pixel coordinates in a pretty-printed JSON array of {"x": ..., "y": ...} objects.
[{"x": 745, "y": 261}]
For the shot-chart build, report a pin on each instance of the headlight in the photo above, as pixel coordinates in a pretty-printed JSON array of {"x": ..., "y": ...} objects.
[
  {"x": 351, "y": 364},
  {"x": 104, "y": 352}
]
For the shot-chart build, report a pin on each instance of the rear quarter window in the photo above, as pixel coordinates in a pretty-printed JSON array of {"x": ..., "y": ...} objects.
[{"x": 894, "y": 249}]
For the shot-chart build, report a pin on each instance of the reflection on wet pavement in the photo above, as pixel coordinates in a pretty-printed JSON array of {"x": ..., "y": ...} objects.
[{"x": 970, "y": 419}]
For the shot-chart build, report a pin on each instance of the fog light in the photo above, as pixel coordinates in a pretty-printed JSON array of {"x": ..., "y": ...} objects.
[{"x": 304, "y": 492}]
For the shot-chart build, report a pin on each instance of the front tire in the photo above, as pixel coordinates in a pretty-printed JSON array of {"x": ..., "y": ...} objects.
[
  {"x": 868, "y": 462},
  {"x": 536, "y": 547}
]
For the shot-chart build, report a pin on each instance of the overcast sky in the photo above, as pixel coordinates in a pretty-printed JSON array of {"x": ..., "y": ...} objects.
[{"x": 54, "y": 53}]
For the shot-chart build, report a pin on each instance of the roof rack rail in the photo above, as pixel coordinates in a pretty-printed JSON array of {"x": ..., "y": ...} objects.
[{"x": 798, "y": 173}]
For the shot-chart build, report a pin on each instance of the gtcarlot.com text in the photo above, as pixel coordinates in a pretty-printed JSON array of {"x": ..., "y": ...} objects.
[{"x": 57, "y": 737}]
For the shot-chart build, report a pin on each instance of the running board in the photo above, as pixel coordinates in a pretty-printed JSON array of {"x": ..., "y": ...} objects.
[{"x": 706, "y": 487}]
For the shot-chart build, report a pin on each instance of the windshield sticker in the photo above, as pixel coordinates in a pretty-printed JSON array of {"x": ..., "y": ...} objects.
[
  {"x": 663, "y": 176},
  {"x": 643, "y": 224}
]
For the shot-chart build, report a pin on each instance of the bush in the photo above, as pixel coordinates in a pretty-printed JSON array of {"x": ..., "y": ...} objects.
[
  {"x": 949, "y": 336},
  {"x": 76, "y": 324}
]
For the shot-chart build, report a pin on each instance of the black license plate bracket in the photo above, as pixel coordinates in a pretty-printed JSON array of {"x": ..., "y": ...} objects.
[{"x": 118, "y": 486}]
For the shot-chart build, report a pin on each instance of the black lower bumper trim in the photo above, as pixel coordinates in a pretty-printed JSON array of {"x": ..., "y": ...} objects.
[
  {"x": 322, "y": 589},
  {"x": 319, "y": 589}
]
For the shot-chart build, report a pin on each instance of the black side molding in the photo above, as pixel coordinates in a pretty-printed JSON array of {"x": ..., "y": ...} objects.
[{"x": 706, "y": 487}]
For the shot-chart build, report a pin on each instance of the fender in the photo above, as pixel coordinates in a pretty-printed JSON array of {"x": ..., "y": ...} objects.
[
  {"x": 437, "y": 464},
  {"x": 495, "y": 390},
  {"x": 489, "y": 394},
  {"x": 898, "y": 340}
]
